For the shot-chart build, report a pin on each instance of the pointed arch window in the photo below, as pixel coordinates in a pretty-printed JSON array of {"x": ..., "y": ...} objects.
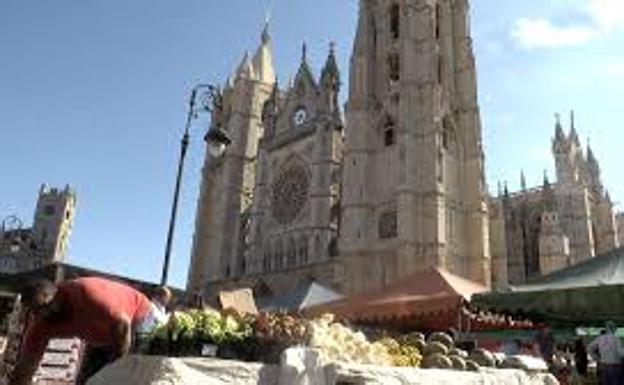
[
  {"x": 303, "y": 250},
  {"x": 266, "y": 259},
  {"x": 438, "y": 20},
  {"x": 394, "y": 68},
  {"x": 292, "y": 253},
  {"x": 389, "y": 132},
  {"x": 387, "y": 224},
  {"x": 242, "y": 265},
  {"x": 318, "y": 247},
  {"x": 440, "y": 165},
  {"x": 395, "y": 21},
  {"x": 278, "y": 256},
  {"x": 440, "y": 73}
]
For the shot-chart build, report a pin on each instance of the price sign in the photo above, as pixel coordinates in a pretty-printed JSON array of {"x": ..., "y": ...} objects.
[{"x": 241, "y": 300}]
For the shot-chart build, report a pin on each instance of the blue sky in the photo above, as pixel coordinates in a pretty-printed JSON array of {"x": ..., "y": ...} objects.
[{"x": 93, "y": 93}]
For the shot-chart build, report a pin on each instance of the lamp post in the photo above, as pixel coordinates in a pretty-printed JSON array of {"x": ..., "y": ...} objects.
[{"x": 216, "y": 139}]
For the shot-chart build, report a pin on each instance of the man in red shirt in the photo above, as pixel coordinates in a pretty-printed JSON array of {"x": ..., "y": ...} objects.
[{"x": 102, "y": 313}]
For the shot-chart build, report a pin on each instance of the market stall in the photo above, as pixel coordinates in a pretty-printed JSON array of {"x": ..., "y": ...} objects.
[
  {"x": 568, "y": 296},
  {"x": 320, "y": 345},
  {"x": 431, "y": 300}
]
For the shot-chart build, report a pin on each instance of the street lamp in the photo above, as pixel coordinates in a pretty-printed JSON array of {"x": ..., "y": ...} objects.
[{"x": 216, "y": 139}]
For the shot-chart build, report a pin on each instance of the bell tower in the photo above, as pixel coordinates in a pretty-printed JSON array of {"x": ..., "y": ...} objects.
[
  {"x": 52, "y": 225},
  {"x": 413, "y": 158}
]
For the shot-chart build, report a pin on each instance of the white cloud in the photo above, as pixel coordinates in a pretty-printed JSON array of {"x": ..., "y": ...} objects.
[
  {"x": 604, "y": 16},
  {"x": 541, "y": 33}
]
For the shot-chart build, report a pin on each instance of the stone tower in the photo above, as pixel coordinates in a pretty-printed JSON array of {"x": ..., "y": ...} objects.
[
  {"x": 413, "y": 169},
  {"x": 227, "y": 185},
  {"x": 52, "y": 225}
]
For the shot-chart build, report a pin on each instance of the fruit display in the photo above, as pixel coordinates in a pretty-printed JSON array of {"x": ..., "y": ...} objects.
[
  {"x": 275, "y": 332},
  {"x": 206, "y": 325},
  {"x": 187, "y": 332},
  {"x": 483, "y": 358},
  {"x": 283, "y": 329},
  {"x": 442, "y": 338},
  {"x": 458, "y": 363},
  {"x": 402, "y": 353},
  {"x": 437, "y": 361},
  {"x": 440, "y": 352},
  {"x": 265, "y": 336},
  {"x": 433, "y": 347},
  {"x": 336, "y": 342}
]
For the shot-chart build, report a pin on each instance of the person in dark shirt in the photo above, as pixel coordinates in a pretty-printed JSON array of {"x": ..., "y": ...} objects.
[
  {"x": 580, "y": 357},
  {"x": 545, "y": 343}
]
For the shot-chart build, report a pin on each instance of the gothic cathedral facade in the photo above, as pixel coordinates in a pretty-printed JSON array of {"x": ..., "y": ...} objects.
[
  {"x": 360, "y": 200},
  {"x": 540, "y": 229}
]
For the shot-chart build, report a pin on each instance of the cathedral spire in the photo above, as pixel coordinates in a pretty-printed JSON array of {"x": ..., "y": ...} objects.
[
  {"x": 331, "y": 75},
  {"x": 263, "y": 59},
  {"x": 245, "y": 68},
  {"x": 573, "y": 134},
  {"x": 523, "y": 184},
  {"x": 558, "y": 128},
  {"x": 591, "y": 159},
  {"x": 608, "y": 196},
  {"x": 330, "y": 82},
  {"x": 304, "y": 74},
  {"x": 546, "y": 180}
]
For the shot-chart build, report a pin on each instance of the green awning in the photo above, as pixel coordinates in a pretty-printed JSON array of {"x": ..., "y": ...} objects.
[{"x": 589, "y": 293}]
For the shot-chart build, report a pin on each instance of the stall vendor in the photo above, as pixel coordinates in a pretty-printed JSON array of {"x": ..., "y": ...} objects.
[{"x": 102, "y": 313}]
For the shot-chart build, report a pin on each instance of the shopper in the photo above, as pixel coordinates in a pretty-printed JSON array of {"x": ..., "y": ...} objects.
[
  {"x": 161, "y": 300},
  {"x": 580, "y": 357},
  {"x": 102, "y": 313},
  {"x": 159, "y": 315},
  {"x": 545, "y": 344},
  {"x": 607, "y": 351}
]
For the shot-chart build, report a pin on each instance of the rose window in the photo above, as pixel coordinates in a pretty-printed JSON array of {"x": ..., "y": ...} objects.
[{"x": 290, "y": 193}]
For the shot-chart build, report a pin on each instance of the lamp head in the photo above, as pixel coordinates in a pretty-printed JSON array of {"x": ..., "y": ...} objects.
[{"x": 217, "y": 141}]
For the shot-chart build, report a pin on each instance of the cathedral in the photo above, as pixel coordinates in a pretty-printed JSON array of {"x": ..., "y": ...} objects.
[
  {"x": 354, "y": 198},
  {"x": 538, "y": 230}
]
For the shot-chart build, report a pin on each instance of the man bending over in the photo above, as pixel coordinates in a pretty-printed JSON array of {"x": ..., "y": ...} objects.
[{"x": 102, "y": 313}]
